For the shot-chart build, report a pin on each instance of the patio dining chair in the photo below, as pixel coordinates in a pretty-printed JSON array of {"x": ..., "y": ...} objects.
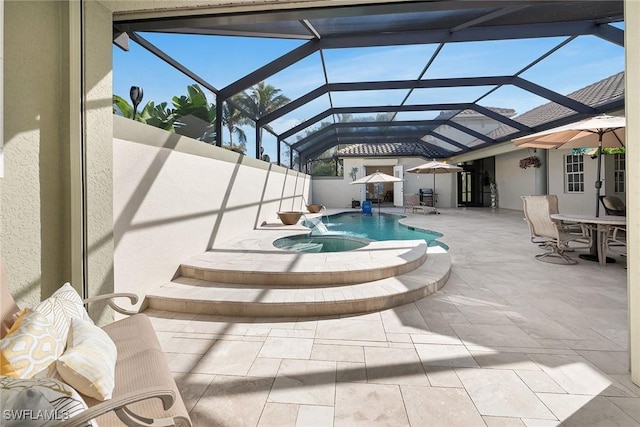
[
  {"x": 550, "y": 234},
  {"x": 613, "y": 205}
]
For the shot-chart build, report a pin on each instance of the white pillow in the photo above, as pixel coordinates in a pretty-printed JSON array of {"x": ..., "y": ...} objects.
[
  {"x": 31, "y": 346},
  {"x": 89, "y": 362},
  {"x": 38, "y": 402},
  {"x": 65, "y": 304}
]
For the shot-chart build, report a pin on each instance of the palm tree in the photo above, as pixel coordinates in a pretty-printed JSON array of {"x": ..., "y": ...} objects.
[
  {"x": 232, "y": 119},
  {"x": 261, "y": 100}
]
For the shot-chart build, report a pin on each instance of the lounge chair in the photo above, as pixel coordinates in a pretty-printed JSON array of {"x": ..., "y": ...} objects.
[
  {"x": 613, "y": 205},
  {"x": 548, "y": 233},
  {"x": 412, "y": 202}
]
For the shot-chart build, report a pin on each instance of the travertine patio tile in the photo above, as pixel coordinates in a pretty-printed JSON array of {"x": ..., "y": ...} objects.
[
  {"x": 399, "y": 338},
  {"x": 532, "y": 422},
  {"x": 287, "y": 348},
  {"x": 192, "y": 387},
  {"x": 403, "y": 319},
  {"x": 539, "y": 381},
  {"x": 429, "y": 337},
  {"x": 264, "y": 367},
  {"x": 337, "y": 353},
  {"x": 442, "y": 376},
  {"x": 351, "y": 329},
  {"x": 279, "y": 415},
  {"x": 630, "y": 405},
  {"x": 228, "y": 358},
  {"x": 503, "y": 422},
  {"x": 182, "y": 362},
  {"x": 574, "y": 374},
  {"x": 232, "y": 401},
  {"x": 431, "y": 406},
  {"x": 445, "y": 355},
  {"x": 580, "y": 411},
  {"x": 315, "y": 416},
  {"x": 496, "y": 335},
  {"x": 178, "y": 344},
  {"x": 367, "y": 405},
  {"x": 310, "y": 382},
  {"x": 351, "y": 372},
  {"x": 609, "y": 362},
  {"x": 504, "y": 360},
  {"x": 394, "y": 366},
  {"x": 502, "y": 393}
]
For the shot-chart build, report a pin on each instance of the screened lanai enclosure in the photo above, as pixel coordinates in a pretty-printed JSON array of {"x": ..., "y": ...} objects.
[{"x": 296, "y": 85}]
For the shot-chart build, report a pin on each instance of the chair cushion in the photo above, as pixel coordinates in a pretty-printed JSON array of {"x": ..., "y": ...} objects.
[
  {"x": 38, "y": 402},
  {"x": 31, "y": 345},
  {"x": 89, "y": 362},
  {"x": 65, "y": 304},
  {"x": 613, "y": 203}
]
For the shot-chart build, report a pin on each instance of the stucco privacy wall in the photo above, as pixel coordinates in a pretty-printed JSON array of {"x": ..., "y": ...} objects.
[{"x": 174, "y": 197}]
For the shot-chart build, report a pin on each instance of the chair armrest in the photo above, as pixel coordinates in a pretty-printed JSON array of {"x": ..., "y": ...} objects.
[
  {"x": 133, "y": 298},
  {"x": 119, "y": 405}
]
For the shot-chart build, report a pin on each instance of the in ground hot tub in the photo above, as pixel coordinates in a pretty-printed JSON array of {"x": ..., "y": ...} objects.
[{"x": 311, "y": 244}]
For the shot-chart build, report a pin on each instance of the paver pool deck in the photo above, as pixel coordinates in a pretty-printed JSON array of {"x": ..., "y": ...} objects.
[{"x": 508, "y": 341}]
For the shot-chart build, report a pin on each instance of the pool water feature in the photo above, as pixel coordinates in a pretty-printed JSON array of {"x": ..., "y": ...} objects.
[
  {"x": 381, "y": 226},
  {"x": 316, "y": 244}
]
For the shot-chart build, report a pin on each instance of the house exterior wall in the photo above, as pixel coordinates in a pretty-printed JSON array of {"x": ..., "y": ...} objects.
[
  {"x": 174, "y": 198},
  {"x": 513, "y": 182},
  {"x": 337, "y": 192},
  {"x": 34, "y": 245}
]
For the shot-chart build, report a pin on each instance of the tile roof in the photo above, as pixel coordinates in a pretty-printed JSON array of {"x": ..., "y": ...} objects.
[
  {"x": 389, "y": 149},
  {"x": 595, "y": 95}
]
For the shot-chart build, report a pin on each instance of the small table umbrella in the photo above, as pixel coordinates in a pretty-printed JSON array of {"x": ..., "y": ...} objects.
[
  {"x": 600, "y": 131},
  {"x": 376, "y": 178},
  {"x": 435, "y": 167}
]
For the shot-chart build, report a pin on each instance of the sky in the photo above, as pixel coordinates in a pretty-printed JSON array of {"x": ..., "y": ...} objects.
[{"x": 221, "y": 60}]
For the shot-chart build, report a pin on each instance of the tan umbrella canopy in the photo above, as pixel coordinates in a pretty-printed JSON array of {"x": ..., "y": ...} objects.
[
  {"x": 376, "y": 178},
  {"x": 435, "y": 167},
  {"x": 600, "y": 131}
]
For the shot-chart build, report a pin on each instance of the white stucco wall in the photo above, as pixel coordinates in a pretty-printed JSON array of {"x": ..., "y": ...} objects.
[
  {"x": 338, "y": 192},
  {"x": 512, "y": 181},
  {"x": 175, "y": 197}
]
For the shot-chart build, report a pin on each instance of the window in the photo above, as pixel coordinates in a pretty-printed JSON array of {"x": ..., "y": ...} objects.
[
  {"x": 618, "y": 172},
  {"x": 574, "y": 173}
]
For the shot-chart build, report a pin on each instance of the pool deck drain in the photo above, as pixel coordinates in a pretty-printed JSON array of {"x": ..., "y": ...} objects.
[{"x": 250, "y": 277}]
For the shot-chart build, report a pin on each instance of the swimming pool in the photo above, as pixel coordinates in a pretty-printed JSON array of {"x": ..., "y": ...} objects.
[
  {"x": 323, "y": 243},
  {"x": 381, "y": 226}
]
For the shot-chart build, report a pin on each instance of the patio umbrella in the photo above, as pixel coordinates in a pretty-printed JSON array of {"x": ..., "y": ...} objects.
[
  {"x": 600, "y": 131},
  {"x": 434, "y": 168},
  {"x": 376, "y": 178}
]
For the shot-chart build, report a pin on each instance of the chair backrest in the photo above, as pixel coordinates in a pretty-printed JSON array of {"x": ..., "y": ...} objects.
[
  {"x": 613, "y": 205},
  {"x": 8, "y": 307},
  {"x": 366, "y": 207},
  {"x": 411, "y": 200},
  {"x": 537, "y": 212}
]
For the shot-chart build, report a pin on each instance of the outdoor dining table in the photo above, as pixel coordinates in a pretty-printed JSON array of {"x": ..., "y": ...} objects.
[{"x": 600, "y": 225}]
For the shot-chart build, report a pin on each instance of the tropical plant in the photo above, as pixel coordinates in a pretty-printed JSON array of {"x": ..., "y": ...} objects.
[
  {"x": 232, "y": 119},
  {"x": 195, "y": 116},
  {"x": 154, "y": 115},
  {"x": 262, "y": 99}
]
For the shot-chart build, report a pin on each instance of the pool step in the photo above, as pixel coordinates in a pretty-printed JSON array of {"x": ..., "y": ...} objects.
[
  {"x": 189, "y": 295},
  {"x": 274, "y": 267}
]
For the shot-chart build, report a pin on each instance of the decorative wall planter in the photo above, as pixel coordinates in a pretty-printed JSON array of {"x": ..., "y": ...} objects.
[
  {"x": 290, "y": 217},
  {"x": 532, "y": 161},
  {"x": 314, "y": 208}
]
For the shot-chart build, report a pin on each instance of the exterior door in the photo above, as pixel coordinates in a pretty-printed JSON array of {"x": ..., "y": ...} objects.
[{"x": 398, "y": 187}]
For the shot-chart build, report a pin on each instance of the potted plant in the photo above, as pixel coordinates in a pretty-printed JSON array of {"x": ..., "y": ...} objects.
[{"x": 532, "y": 161}]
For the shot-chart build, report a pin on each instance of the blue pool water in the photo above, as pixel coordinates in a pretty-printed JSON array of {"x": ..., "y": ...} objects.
[{"x": 375, "y": 227}]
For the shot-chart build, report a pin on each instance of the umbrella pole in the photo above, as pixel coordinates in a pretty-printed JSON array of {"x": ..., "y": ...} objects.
[{"x": 599, "y": 181}]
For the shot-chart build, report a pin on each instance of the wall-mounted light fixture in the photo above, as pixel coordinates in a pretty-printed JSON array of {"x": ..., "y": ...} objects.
[{"x": 136, "y": 98}]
